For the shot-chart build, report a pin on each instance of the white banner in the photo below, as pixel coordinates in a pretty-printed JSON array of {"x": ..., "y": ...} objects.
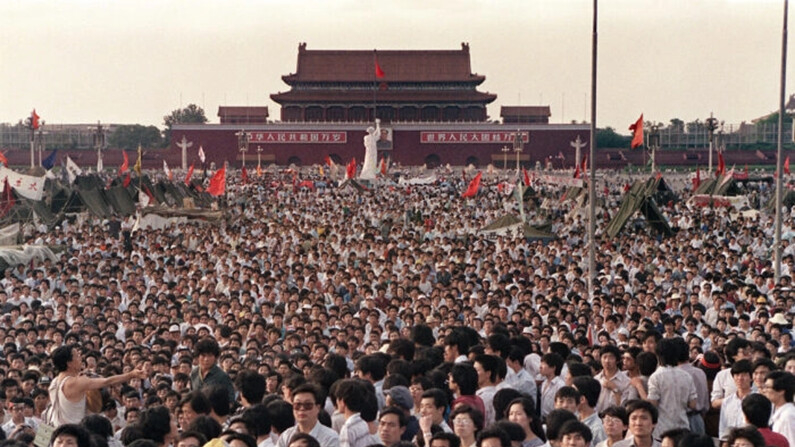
[
  {"x": 562, "y": 181},
  {"x": 26, "y": 186},
  {"x": 72, "y": 169}
]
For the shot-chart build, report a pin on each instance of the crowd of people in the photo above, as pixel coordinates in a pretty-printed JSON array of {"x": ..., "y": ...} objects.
[{"x": 381, "y": 316}]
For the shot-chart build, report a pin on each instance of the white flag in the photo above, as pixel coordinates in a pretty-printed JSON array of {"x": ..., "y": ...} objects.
[
  {"x": 72, "y": 169},
  {"x": 27, "y": 186},
  {"x": 201, "y": 154},
  {"x": 143, "y": 199}
]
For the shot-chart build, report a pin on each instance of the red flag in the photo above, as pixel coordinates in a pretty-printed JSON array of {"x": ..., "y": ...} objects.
[
  {"x": 125, "y": 165},
  {"x": 7, "y": 198},
  {"x": 244, "y": 175},
  {"x": 786, "y": 165},
  {"x": 379, "y": 73},
  {"x": 627, "y": 187},
  {"x": 329, "y": 162},
  {"x": 259, "y": 171},
  {"x": 350, "y": 170},
  {"x": 383, "y": 166},
  {"x": 474, "y": 185},
  {"x": 150, "y": 195},
  {"x": 526, "y": 177},
  {"x": 577, "y": 172},
  {"x": 217, "y": 182},
  {"x": 3, "y": 159},
  {"x": 722, "y": 165},
  {"x": 34, "y": 120},
  {"x": 126, "y": 181},
  {"x": 189, "y": 175},
  {"x": 637, "y": 136},
  {"x": 659, "y": 175}
]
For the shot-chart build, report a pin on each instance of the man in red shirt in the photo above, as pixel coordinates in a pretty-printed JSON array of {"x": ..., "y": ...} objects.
[{"x": 757, "y": 409}]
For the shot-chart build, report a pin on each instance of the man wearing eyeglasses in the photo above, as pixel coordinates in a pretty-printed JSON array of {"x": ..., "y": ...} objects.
[
  {"x": 18, "y": 418},
  {"x": 305, "y": 411}
]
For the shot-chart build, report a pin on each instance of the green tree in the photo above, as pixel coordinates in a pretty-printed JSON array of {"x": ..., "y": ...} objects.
[
  {"x": 128, "y": 137},
  {"x": 608, "y": 138},
  {"x": 190, "y": 114}
]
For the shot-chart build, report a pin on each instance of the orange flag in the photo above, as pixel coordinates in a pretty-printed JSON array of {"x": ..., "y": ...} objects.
[
  {"x": 3, "y": 159},
  {"x": 189, "y": 175},
  {"x": 34, "y": 120},
  {"x": 786, "y": 165},
  {"x": 259, "y": 171},
  {"x": 383, "y": 166},
  {"x": 474, "y": 185},
  {"x": 637, "y": 135},
  {"x": 217, "y": 182},
  {"x": 125, "y": 165}
]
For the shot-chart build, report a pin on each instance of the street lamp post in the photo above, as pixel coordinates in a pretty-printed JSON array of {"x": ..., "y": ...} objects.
[
  {"x": 259, "y": 157},
  {"x": 712, "y": 125},
  {"x": 518, "y": 147},
  {"x": 33, "y": 142},
  {"x": 243, "y": 139},
  {"x": 40, "y": 144},
  {"x": 99, "y": 143},
  {"x": 505, "y": 150},
  {"x": 654, "y": 144}
]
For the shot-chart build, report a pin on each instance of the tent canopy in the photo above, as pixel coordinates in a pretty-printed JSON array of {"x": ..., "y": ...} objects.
[{"x": 640, "y": 197}]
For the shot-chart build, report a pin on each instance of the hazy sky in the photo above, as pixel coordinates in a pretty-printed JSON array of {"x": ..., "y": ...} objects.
[{"x": 131, "y": 62}]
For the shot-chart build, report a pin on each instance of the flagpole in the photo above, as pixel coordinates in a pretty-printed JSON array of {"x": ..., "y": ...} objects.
[
  {"x": 780, "y": 144},
  {"x": 592, "y": 183},
  {"x": 375, "y": 84}
]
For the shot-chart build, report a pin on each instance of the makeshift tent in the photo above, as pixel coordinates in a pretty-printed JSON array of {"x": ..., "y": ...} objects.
[
  {"x": 11, "y": 256},
  {"x": 640, "y": 197},
  {"x": 510, "y": 224},
  {"x": 720, "y": 186}
]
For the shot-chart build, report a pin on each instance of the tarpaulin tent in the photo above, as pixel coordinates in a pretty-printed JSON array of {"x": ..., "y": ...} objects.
[
  {"x": 640, "y": 197},
  {"x": 720, "y": 186},
  {"x": 510, "y": 224}
]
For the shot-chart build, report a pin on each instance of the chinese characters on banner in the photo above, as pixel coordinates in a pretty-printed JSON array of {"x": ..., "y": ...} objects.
[
  {"x": 27, "y": 186},
  {"x": 471, "y": 137},
  {"x": 298, "y": 137}
]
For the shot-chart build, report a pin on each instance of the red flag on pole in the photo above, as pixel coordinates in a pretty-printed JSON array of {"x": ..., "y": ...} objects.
[
  {"x": 244, "y": 175},
  {"x": 474, "y": 185},
  {"x": 3, "y": 159},
  {"x": 721, "y": 165},
  {"x": 189, "y": 175},
  {"x": 7, "y": 198},
  {"x": 637, "y": 135},
  {"x": 577, "y": 172},
  {"x": 379, "y": 73},
  {"x": 526, "y": 178},
  {"x": 34, "y": 120},
  {"x": 217, "y": 182},
  {"x": 786, "y": 165},
  {"x": 125, "y": 165},
  {"x": 350, "y": 170},
  {"x": 126, "y": 181},
  {"x": 383, "y": 166}
]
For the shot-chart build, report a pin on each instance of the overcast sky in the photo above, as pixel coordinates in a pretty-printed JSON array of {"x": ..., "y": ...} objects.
[{"x": 79, "y": 61}]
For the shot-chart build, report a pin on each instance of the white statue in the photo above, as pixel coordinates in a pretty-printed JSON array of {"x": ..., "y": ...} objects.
[{"x": 370, "y": 163}]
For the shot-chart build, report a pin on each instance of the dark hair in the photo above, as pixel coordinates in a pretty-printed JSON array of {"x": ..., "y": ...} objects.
[
  {"x": 81, "y": 434},
  {"x": 696, "y": 440},
  {"x": 402, "y": 419},
  {"x": 402, "y": 348},
  {"x": 668, "y": 351},
  {"x": 675, "y": 434},
  {"x": 553, "y": 360},
  {"x": 439, "y": 397},
  {"x": 474, "y": 414},
  {"x": 193, "y": 434},
  {"x": 490, "y": 364},
  {"x": 616, "y": 411},
  {"x": 757, "y": 408},
  {"x": 555, "y": 420},
  {"x": 733, "y": 346},
  {"x": 782, "y": 380},
  {"x": 644, "y": 405},
  {"x": 242, "y": 437},
  {"x": 568, "y": 392},
  {"x": 251, "y": 385},
  {"x": 198, "y": 402},
  {"x": 260, "y": 419},
  {"x": 142, "y": 442},
  {"x": 748, "y": 432},
  {"x": 155, "y": 423},
  {"x": 742, "y": 366},
  {"x": 422, "y": 335},
  {"x": 493, "y": 432},
  {"x": 61, "y": 357},
  {"x": 451, "y": 438},
  {"x": 578, "y": 369},
  {"x": 281, "y": 415},
  {"x": 515, "y": 431},
  {"x": 97, "y": 424},
  {"x": 529, "y": 407},
  {"x": 502, "y": 400},
  {"x": 465, "y": 375},
  {"x": 351, "y": 392},
  {"x": 610, "y": 349},
  {"x": 308, "y": 439},
  {"x": 570, "y": 427},
  {"x": 647, "y": 363},
  {"x": 206, "y": 425},
  {"x": 372, "y": 365},
  {"x": 207, "y": 345},
  {"x": 588, "y": 387},
  {"x": 218, "y": 395}
]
